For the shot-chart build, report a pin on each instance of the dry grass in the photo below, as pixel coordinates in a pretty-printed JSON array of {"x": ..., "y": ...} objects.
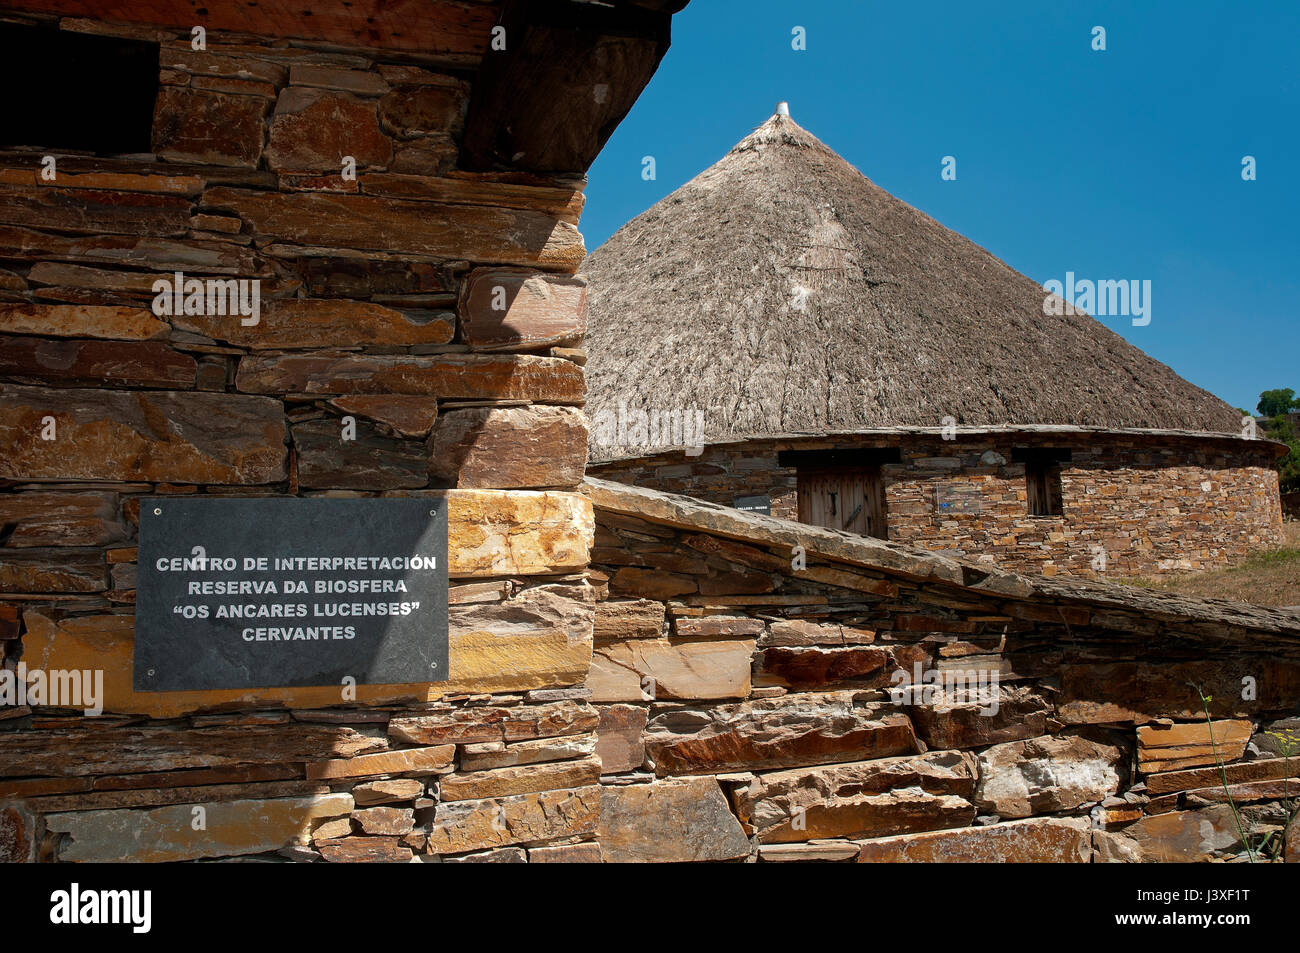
[
  {"x": 781, "y": 292},
  {"x": 1269, "y": 579}
]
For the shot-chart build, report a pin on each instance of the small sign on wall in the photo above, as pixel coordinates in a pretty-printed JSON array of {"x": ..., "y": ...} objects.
[
  {"x": 957, "y": 499},
  {"x": 290, "y": 592},
  {"x": 754, "y": 504}
]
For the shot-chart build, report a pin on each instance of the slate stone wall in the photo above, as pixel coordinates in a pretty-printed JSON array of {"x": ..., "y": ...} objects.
[
  {"x": 715, "y": 686},
  {"x": 434, "y": 309},
  {"x": 1150, "y": 504},
  {"x": 745, "y": 671},
  {"x": 545, "y": 746}
]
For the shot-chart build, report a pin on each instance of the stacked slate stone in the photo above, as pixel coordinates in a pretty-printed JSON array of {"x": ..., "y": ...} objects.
[
  {"x": 671, "y": 689},
  {"x": 746, "y": 671},
  {"x": 432, "y": 309},
  {"x": 1154, "y": 503}
]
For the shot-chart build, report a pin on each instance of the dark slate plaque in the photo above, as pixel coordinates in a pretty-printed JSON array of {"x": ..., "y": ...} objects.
[
  {"x": 753, "y": 504},
  {"x": 280, "y": 592}
]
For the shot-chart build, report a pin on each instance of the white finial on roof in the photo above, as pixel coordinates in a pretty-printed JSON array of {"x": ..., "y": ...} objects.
[{"x": 783, "y": 109}]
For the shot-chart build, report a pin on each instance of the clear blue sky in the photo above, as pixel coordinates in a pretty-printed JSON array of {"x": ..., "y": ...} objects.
[{"x": 1117, "y": 164}]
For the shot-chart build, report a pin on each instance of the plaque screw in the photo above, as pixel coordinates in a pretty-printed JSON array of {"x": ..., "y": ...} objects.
[
  {"x": 433, "y": 512},
  {"x": 151, "y": 673},
  {"x": 157, "y": 512}
]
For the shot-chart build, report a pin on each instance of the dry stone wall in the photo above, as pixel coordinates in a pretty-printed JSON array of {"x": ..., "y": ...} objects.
[
  {"x": 433, "y": 310},
  {"x": 691, "y": 697},
  {"x": 752, "y": 678},
  {"x": 1151, "y": 504},
  {"x": 716, "y": 686}
]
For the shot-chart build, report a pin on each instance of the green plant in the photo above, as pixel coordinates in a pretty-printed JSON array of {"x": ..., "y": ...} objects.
[
  {"x": 1287, "y": 743},
  {"x": 1273, "y": 403},
  {"x": 1281, "y": 430},
  {"x": 1223, "y": 776},
  {"x": 1272, "y": 846},
  {"x": 1274, "y": 406}
]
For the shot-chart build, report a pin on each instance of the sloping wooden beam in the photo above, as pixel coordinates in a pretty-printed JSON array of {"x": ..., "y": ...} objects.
[{"x": 568, "y": 74}]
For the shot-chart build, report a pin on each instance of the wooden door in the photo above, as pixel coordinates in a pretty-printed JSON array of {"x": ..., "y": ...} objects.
[
  {"x": 819, "y": 500},
  {"x": 851, "y": 500}
]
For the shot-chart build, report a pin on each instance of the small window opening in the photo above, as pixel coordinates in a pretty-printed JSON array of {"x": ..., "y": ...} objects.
[
  {"x": 1043, "y": 480},
  {"x": 76, "y": 92}
]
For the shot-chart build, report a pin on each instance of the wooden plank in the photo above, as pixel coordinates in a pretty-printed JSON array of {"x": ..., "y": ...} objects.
[
  {"x": 845, "y": 499},
  {"x": 853, "y": 499}
]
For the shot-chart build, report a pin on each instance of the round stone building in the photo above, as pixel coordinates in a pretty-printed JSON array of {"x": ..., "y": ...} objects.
[{"x": 780, "y": 334}]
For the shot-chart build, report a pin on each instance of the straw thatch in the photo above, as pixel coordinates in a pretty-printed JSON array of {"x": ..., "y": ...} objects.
[{"x": 780, "y": 291}]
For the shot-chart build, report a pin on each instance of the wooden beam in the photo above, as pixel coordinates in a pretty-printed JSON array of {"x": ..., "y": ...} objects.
[
  {"x": 569, "y": 73},
  {"x": 452, "y": 29}
]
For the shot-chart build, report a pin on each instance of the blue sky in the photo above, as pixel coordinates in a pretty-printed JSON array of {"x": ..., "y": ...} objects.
[{"x": 1119, "y": 164}]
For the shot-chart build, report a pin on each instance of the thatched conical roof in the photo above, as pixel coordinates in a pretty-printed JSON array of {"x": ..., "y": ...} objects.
[{"x": 780, "y": 291}]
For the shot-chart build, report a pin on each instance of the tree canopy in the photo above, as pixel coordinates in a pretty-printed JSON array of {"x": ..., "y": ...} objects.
[{"x": 1273, "y": 403}]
